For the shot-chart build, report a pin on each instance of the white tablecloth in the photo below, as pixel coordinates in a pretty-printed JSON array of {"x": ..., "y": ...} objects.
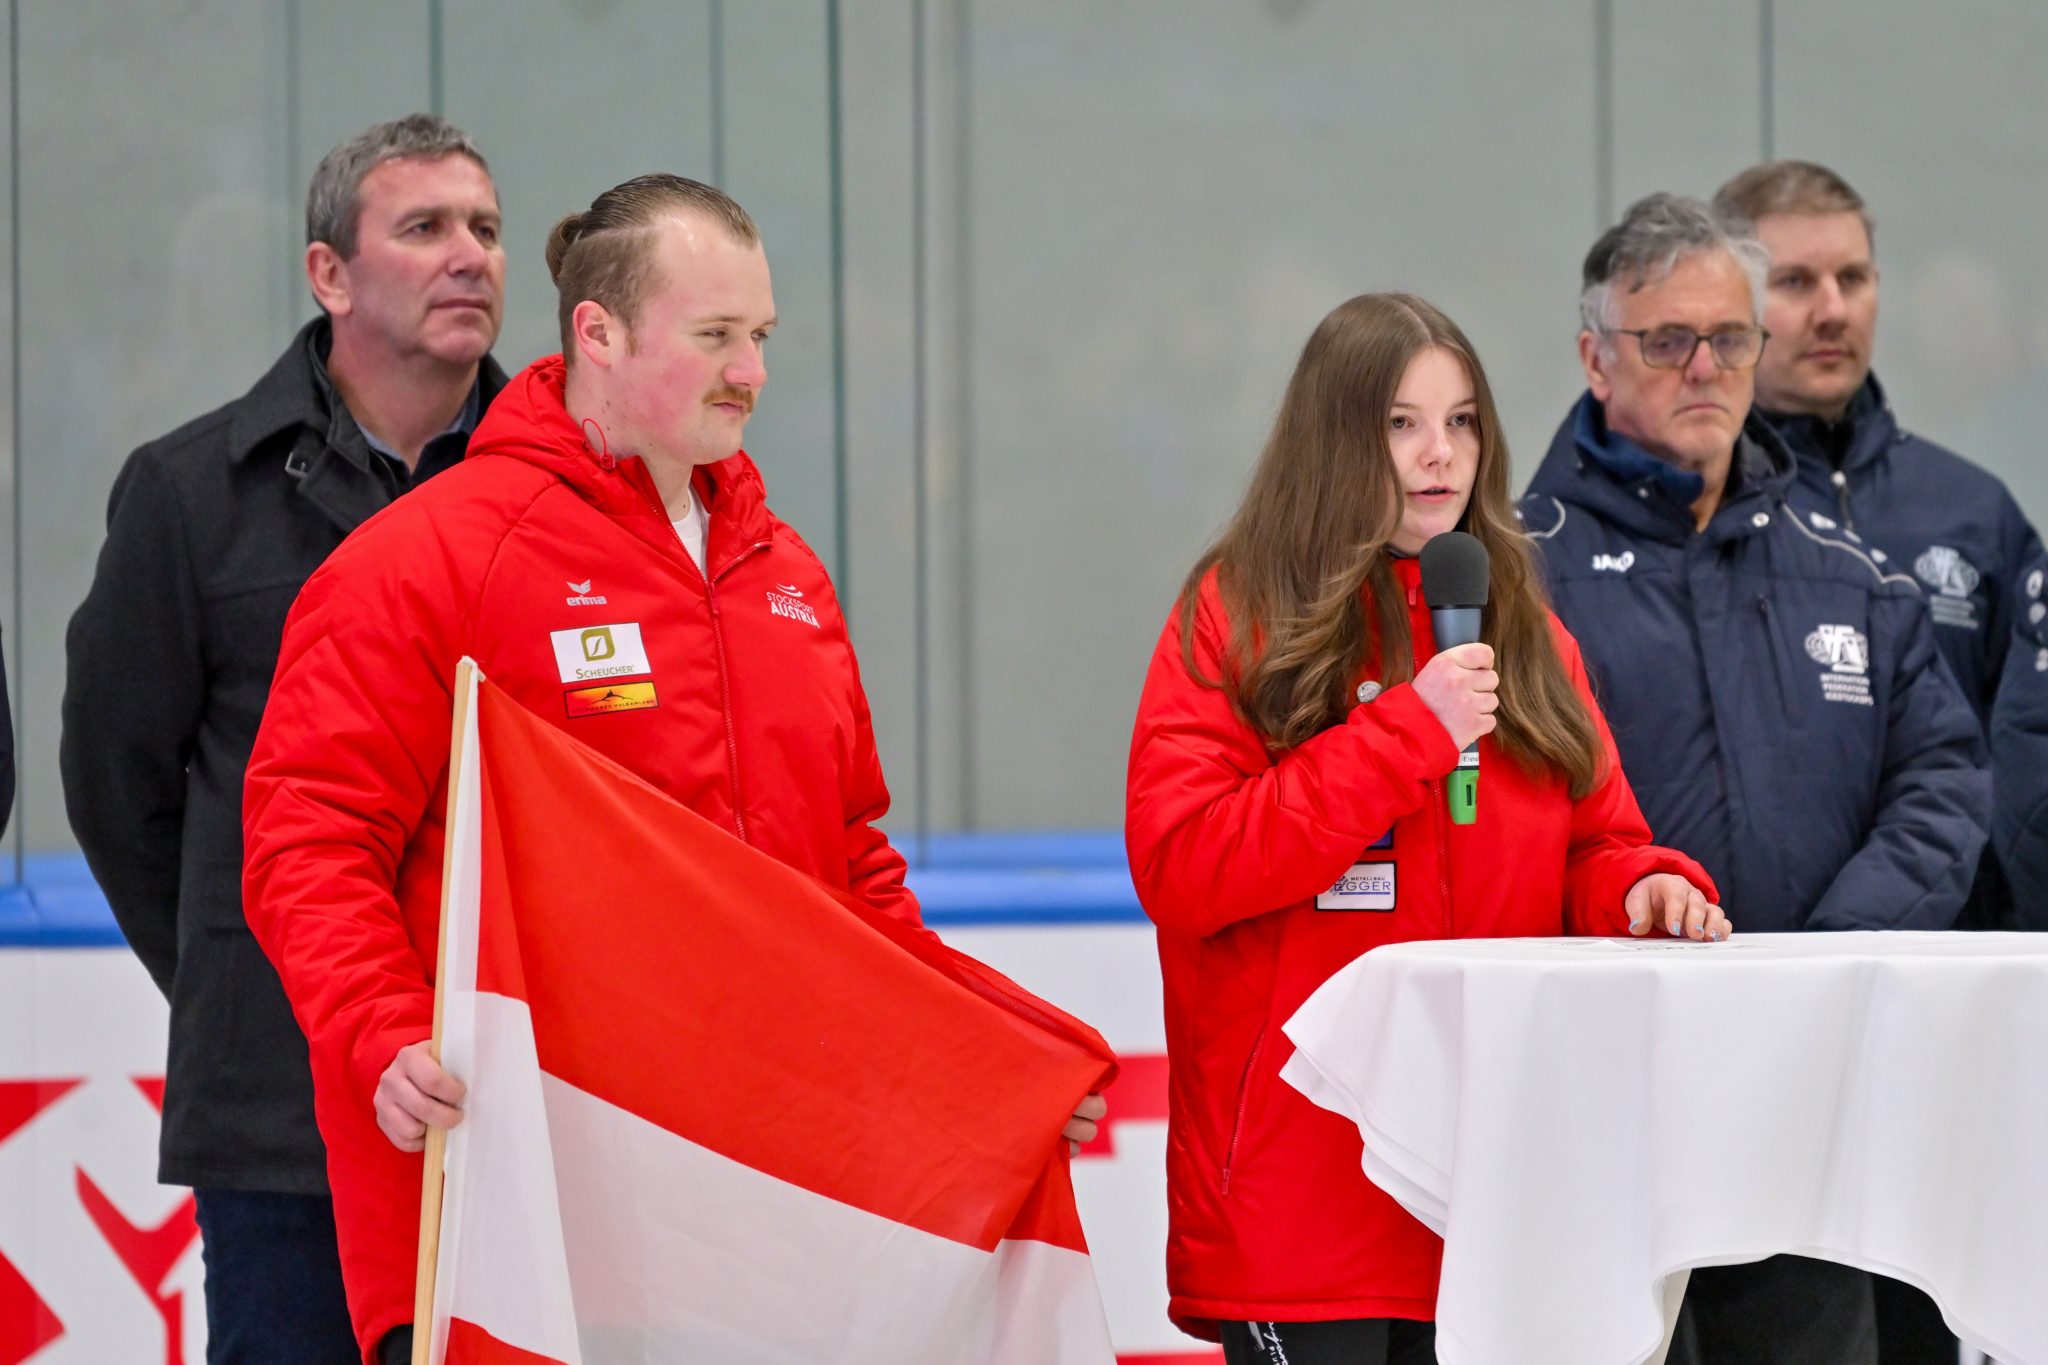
[{"x": 1582, "y": 1118}]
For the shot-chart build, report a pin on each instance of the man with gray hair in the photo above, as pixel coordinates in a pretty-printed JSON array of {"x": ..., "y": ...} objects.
[
  {"x": 211, "y": 531},
  {"x": 1774, "y": 692}
]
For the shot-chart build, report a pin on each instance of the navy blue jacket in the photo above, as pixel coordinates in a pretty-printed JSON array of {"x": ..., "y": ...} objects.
[
  {"x": 2019, "y": 750},
  {"x": 1919, "y": 509},
  {"x": 1776, "y": 695},
  {"x": 1924, "y": 510}
]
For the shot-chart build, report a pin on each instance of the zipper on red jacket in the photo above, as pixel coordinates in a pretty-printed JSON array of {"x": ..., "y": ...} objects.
[
  {"x": 732, "y": 740},
  {"x": 1244, "y": 1096},
  {"x": 1438, "y": 803}
]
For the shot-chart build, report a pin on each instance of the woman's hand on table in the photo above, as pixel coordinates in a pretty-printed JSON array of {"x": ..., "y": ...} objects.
[{"x": 1667, "y": 901}]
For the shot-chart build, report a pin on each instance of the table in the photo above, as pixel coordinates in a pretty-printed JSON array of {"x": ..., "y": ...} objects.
[{"x": 1585, "y": 1120}]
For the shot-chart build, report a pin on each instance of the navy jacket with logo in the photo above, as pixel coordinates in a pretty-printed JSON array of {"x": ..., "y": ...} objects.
[
  {"x": 2019, "y": 748},
  {"x": 1923, "y": 510},
  {"x": 1919, "y": 509},
  {"x": 1775, "y": 693}
]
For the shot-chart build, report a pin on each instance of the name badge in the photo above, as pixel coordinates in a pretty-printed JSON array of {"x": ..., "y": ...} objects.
[{"x": 1367, "y": 886}]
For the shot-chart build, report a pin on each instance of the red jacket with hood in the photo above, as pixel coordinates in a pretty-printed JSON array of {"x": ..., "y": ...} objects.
[
  {"x": 1270, "y": 1217},
  {"x": 558, "y": 570}
]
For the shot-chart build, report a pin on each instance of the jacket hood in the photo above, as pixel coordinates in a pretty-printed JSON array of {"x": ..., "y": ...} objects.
[
  {"x": 530, "y": 422},
  {"x": 1611, "y": 476}
]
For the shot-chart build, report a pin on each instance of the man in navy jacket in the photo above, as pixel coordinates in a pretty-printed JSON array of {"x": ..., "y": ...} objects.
[
  {"x": 1775, "y": 692},
  {"x": 1917, "y": 508},
  {"x": 2019, "y": 745}
]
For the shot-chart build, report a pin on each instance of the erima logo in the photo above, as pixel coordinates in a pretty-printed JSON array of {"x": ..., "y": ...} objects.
[
  {"x": 1844, "y": 649},
  {"x": 782, "y": 604},
  {"x": 1620, "y": 563},
  {"x": 1946, "y": 571},
  {"x": 580, "y": 595}
]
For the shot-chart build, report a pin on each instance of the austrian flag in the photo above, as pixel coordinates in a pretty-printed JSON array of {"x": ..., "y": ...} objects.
[{"x": 718, "y": 1111}]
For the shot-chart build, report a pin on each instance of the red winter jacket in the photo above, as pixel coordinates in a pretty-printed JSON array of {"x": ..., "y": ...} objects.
[
  {"x": 1270, "y": 1217},
  {"x": 558, "y": 570}
]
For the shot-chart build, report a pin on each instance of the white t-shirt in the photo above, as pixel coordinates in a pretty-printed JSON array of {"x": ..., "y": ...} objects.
[{"x": 691, "y": 527}]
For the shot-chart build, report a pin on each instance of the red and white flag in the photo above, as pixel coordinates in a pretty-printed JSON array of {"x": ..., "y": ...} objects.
[{"x": 719, "y": 1112}]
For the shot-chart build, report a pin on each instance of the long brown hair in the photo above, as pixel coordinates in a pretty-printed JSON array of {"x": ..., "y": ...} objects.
[{"x": 1307, "y": 548}]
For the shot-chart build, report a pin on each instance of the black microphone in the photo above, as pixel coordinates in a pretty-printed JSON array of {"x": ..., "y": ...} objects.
[{"x": 1454, "y": 580}]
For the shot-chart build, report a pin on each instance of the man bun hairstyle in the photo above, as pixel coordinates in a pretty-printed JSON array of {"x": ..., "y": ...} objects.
[
  {"x": 334, "y": 199},
  {"x": 606, "y": 253},
  {"x": 1656, "y": 233},
  {"x": 1791, "y": 187}
]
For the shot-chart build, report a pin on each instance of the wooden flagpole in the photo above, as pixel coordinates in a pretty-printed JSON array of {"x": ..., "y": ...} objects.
[{"x": 437, "y": 1138}]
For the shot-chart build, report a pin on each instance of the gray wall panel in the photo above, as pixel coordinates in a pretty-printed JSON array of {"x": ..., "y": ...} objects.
[
  {"x": 1132, "y": 215},
  {"x": 11, "y": 650},
  {"x": 1167, "y": 198},
  {"x": 1942, "y": 126},
  {"x": 879, "y": 585},
  {"x": 152, "y": 217},
  {"x": 568, "y": 100},
  {"x": 777, "y": 166},
  {"x": 1687, "y": 95}
]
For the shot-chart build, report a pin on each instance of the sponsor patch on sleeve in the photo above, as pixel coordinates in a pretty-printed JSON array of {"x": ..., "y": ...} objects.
[
  {"x": 593, "y": 653},
  {"x": 606, "y": 698}
]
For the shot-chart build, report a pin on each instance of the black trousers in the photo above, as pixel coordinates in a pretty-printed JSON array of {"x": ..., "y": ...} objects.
[
  {"x": 1787, "y": 1310},
  {"x": 1909, "y": 1327},
  {"x": 273, "y": 1280},
  {"x": 1353, "y": 1341}
]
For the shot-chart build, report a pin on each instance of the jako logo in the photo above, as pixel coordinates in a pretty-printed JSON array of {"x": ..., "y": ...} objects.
[
  {"x": 1946, "y": 571},
  {"x": 1620, "y": 563},
  {"x": 782, "y": 604},
  {"x": 1844, "y": 649},
  {"x": 581, "y": 595},
  {"x": 597, "y": 644}
]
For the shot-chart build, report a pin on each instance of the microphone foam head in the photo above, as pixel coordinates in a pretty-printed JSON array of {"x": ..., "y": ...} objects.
[{"x": 1454, "y": 571}]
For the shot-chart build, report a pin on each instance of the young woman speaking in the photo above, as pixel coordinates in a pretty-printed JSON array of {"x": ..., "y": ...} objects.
[{"x": 1298, "y": 722}]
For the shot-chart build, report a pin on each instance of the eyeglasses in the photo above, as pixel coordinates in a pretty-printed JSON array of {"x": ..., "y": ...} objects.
[{"x": 1672, "y": 348}]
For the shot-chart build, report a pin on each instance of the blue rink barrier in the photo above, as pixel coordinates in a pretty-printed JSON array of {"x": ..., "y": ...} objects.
[{"x": 982, "y": 880}]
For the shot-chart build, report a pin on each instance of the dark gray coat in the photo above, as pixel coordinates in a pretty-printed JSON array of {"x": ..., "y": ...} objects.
[{"x": 211, "y": 531}]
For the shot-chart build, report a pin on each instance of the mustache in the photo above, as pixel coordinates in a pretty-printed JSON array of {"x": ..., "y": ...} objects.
[{"x": 743, "y": 397}]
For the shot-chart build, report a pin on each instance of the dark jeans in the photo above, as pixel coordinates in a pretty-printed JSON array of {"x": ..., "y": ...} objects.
[
  {"x": 1788, "y": 1310},
  {"x": 273, "y": 1280},
  {"x": 1353, "y": 1341}
]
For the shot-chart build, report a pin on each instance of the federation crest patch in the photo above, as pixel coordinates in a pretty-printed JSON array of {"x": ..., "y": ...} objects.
[
  {"x": 1846, "y": 652},
  {"x": 1953, "y": 579}
]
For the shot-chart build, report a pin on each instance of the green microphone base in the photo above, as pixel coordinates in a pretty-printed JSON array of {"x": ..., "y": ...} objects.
[{"x": 1461, "y": 789}]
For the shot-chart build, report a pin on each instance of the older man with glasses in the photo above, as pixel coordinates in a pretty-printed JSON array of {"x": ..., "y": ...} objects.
[{"x": 1774, "y": 691}]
